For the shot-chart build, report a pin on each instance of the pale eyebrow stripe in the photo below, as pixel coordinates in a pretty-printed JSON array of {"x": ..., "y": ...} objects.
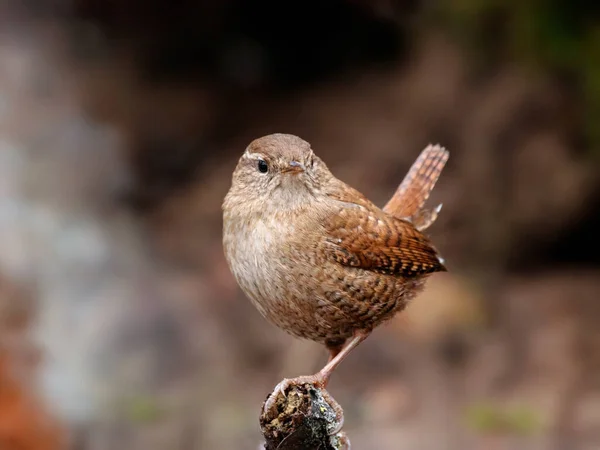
[{"x": 254, "y": 155}]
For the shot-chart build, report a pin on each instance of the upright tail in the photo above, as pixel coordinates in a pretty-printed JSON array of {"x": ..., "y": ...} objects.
[{"x": 410, "y": 197}]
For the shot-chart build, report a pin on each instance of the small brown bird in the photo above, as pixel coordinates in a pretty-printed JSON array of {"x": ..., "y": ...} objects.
[{"x": 315, "y": 256}]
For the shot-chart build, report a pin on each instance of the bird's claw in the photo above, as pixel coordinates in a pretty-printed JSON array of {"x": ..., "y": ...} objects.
[
  {"x": 281, "y": 387},
  {"x": 285, "y": 384},
  {"x": 315, "y": 380},
  {"x": 339, "y": 412}
]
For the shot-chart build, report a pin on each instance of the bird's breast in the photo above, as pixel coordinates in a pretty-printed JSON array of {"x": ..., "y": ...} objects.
[{"x": 254, "y": 250}]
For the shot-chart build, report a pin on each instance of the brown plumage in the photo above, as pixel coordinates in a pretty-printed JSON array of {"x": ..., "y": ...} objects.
[
  {"x": 314, "y": 255},
  {"x": 410, "y": 197}
]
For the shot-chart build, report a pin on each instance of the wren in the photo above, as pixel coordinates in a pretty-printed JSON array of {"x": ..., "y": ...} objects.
[{"x": 315, "y": 256}]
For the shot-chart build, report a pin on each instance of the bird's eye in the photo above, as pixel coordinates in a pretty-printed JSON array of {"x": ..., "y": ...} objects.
[{"x": 262, "y": 166}]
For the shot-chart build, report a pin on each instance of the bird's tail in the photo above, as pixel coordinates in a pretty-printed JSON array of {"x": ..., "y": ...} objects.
[{"x": 410, "y": 197}]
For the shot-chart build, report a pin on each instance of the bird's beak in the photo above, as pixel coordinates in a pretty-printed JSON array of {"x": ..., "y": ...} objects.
[{"x": 294, "y": 167}]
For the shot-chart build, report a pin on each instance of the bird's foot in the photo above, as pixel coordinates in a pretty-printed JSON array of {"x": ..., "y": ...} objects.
[
  {"x": 316, "y": 380},
  {"x": 337, "y": 409}
]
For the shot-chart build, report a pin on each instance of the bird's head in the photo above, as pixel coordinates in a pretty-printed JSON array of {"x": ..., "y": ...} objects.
[{"x": 278, "y": 170}]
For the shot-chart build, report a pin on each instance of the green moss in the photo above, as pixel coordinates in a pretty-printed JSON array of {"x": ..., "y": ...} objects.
[
  {"x": 143, "y": 409},
  {"x": 489, "y": 418}
]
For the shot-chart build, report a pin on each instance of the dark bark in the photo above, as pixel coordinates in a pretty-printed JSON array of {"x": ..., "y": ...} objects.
[{"x": 304, "y": 420}]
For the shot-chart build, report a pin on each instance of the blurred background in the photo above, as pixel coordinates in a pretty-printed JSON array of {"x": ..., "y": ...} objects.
[{"x": 120, "y": 124}]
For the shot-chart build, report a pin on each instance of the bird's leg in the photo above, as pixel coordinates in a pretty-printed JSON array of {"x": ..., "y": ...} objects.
[
  {"x": 325, "y": 373},
  {"x": 334, "y": 348},
  {"x": 321, "y": 378}
]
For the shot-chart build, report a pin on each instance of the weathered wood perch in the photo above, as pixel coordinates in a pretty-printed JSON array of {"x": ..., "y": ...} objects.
[{"x": 304, "y": 420}]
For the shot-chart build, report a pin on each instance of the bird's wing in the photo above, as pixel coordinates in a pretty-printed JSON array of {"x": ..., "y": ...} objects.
[
  {"x": 369, "y": 239},
  {"x": 413, "y": 192}
]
